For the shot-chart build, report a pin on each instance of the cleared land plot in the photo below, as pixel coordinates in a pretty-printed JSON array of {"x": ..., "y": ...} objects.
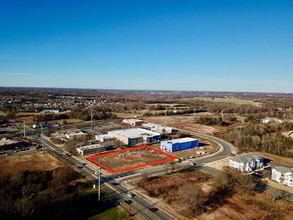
[
  {"x": 174, "y": 192},
  {"x": 14, "y": 164},
  {"x": 131, "y": 158}
]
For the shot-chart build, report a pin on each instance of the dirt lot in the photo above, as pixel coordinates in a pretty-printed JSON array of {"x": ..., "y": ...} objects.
[
  {"x": 13, "y": 164},
  {"x": 245, "y": 207},
  {"x": 130, "y": 158},
  {"x": 184, "y": 122}
]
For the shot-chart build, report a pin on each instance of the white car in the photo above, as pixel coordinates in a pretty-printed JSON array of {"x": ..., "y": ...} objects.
[{"x": 129, "y": 195}]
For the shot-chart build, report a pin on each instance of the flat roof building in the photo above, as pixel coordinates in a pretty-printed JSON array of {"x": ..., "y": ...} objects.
[
  {"x": 158, "y": 128},
  {"x": 90, "y": 149},
  {"x": 133, "y": 122},
  {"x": 135, "y": 136},
  {"x": 179, "y": 144},
  {"x": 104, "y": 137},
  {"x": 16, "y": 145}
]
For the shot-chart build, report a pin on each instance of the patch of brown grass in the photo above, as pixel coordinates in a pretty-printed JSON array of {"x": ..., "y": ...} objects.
[{"x": 13, "y": 164}]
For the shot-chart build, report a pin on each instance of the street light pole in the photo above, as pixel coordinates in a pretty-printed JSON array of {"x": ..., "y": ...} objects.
[
  {"x": 99, "y": 194},
  {"x": 91, "y": 118},
  {"x": 23, "y": 129},
  {"x": 42, "y": 138}
]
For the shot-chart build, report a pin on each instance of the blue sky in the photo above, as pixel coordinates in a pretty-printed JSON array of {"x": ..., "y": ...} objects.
[{"x": 235, "y": 45}]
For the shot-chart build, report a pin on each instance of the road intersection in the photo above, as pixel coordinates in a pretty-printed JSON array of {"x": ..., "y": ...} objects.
[{"x": 113, "y": 183}]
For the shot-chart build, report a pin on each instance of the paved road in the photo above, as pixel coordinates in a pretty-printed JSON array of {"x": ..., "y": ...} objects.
[
  {"x": 117, "y": 191},
  {"x": 114, "y": 187},
  {"x": 138, "y": 204}
]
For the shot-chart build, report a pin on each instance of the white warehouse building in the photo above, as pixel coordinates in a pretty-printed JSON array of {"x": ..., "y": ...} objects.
[{"x": 135, "y": 136}]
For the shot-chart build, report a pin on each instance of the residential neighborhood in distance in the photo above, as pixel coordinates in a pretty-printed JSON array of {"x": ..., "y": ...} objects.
[{"x": 205, "y": 143}]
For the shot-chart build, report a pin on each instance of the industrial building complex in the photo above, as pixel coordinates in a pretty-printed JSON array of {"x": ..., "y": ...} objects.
[
  {"x": 179, "y": 144},
  {"x": 136, "y": 136}
]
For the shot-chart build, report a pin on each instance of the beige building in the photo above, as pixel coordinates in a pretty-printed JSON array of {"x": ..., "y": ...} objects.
[
  {"x": 283, "y": 175},
  {"x": 133, "y": 122},
  {"x": 136, "y": 136},
  {"x": 90, "y": 149}
]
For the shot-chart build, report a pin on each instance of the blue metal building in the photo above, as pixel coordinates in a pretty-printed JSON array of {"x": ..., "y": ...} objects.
[{"x": 179, "y": 144}]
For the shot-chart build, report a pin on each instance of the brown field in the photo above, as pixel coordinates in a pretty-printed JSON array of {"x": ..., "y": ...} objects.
[
  {"x": 184, "y": 122},
  {"x": 227, "y": 100},
  {"x": 246, "y": 207},
  {"x": 239, "y": 206},
  {"x": 13, "y": 164}
]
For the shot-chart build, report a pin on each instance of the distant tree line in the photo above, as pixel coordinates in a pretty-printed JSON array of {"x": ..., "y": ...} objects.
[
  {"x": 86, "y": 115},
  {"x": 49, "y": 117},
  {"x": 262, "y": 137}
]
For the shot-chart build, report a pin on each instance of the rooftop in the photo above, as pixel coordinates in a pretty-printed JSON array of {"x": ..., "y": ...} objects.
[
  {"x": 181, "y": 140},
  {"x": 132, "y": 120},
  {"x": 135, "y": 132},
  {"x": 247, "y": 157},
  {"x": 284, "y": 169},
  {"x": 7, "y": 141},
  {"x": 88, "y": 147}
]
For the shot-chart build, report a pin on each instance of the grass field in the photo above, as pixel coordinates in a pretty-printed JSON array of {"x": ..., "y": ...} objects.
[
  {"x": 168, "y": 104},
  {"x": 16, "y": 163},
  {"x": 111, "y": 214},
  {"x": 227, "y": 100}
]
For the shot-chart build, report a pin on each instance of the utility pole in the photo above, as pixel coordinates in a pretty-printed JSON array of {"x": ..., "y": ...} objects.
[
  {"x": 91, "y": 118},
  {"x": 23, "y": 129},
  {"x": 42, "y": 138},
  {"x": 99, "y": 194}
]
